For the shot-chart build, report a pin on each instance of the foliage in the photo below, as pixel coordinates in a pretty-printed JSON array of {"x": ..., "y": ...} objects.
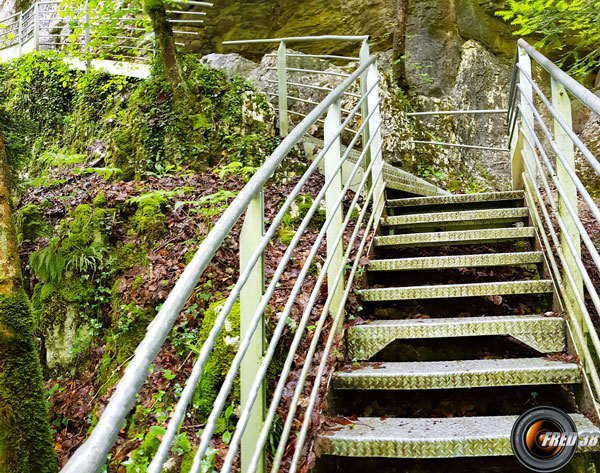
[{"x": 571, "y": 27}]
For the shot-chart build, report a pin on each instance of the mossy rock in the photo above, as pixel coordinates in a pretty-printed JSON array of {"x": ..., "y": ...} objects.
[
  {"x": 218, "y": 363},
  {"x": 25, "y": 440},
  {"x": 149, "y": 221},
  {"x": 30, "y": 223}
]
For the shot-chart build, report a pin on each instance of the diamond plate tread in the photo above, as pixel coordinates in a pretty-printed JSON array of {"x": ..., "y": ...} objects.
[
  {"x": 455, "y": 237},
  {"x": 429, "y": 438},
  {"x": 457, "y": 290},
  {"x": 395, "y": 178},
  {"x": 457, "y": 216},
  {"x": 457, "y": 374},
  {"x": 427, "y": 189},
  {"x": 457, "y": 199},
  {"x": 545, "y": 334},
  {"x": 457, "y": 261}
]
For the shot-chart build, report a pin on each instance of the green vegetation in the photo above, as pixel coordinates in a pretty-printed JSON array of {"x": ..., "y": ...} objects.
[
  {"x": 19, "y": 360},
  {"x": 66, "y": 115},
  {"x": 569, "y": 27},
  {"x": 217, "y": 365}
]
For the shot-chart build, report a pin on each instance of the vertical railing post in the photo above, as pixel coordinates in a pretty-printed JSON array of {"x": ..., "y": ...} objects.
[
  {"x": 521, "y": 146},
  {"x": 250, "y": 296},
  {"x": 376, "y": 150},
  {"x": 366, "y": 134},
  {"x": 335, "y": 248},
  {"x": 20, "y": 33},
  {"x": 282, "y": 89},
  {"x": 562, "y": 104},
  {"x": 36, "y": 27},
  {"x": 86, "y": 37}
]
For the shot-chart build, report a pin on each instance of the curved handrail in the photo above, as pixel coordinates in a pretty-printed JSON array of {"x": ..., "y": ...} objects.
[
  {"x": 578, "y": 90},
  {"x": 92, "y": 454}
]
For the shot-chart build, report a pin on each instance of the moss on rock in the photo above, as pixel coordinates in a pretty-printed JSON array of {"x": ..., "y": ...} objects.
[
  {"x": 218, "y": 363},
  {"x": 30, "y": 223},
  {"x": 149, "y": 221},
  {"x": 25, "y": 440}
]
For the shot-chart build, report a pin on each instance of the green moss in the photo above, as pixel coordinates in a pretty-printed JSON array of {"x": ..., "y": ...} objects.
[
  {"x": 100, "y": 199},
  {"x": 218, "y": 363},
  {"x": 30, "y": 223},
  {"x": 286, "y": 234},
  {"x": 189, "y": 256},
  {"x": 149, "y": 221},
  {"x": 128, "y": 256},
  {"x": 25, "y": 440}
]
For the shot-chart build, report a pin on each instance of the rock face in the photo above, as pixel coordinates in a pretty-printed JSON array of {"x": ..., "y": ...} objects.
[{"x": 459, "y": 56}]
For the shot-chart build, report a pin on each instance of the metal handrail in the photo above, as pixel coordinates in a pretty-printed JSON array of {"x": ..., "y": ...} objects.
[
  {"x": 92, "y": 454},
  {"x": 36, "y": 22},
  {"x": 283, "y": 70},
  {"x": 534, "y": 171}
]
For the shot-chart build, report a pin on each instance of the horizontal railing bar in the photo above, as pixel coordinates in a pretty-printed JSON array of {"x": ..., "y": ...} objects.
[
  {"x": 317, "y": 56},
  {"x": 590, "y": 158},
  {"x": 325, "y": 356},
  {"x": 221, "y": 398},
  {"x": 569, "y": 170},
  {"x": 243, "y": 420},
  {"x": 291, "y": 112},
  {"x": 324, "y": 312},
  {"x": 572, "y": 212},
  {"x": 574, "y": 322},
  {"x": 311, "y": 102},
  {"x": 9, "y": 17},
  {"x": 299, "y": 39},
  {"x": 315, "y": 87},
  {"x": 582, "y": 93},
  {"x": 311, "y": 71},
  {"x": 191, "y": 2},
  {"x": 457, "y": 145},
  {"x": 92, "y": 454},
  {"x": 184, "y": 12},
  {"x": 457, "y": 112},
  {"x": 185, "y": 21},
  {"x": 574, "y": 253}
]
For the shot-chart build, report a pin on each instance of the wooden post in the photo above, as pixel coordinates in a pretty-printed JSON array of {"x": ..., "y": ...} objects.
[
  {"x": 335, "y": 249},
  {"x": 282, "y": 89},
  {"x": 250, "y": 295}
]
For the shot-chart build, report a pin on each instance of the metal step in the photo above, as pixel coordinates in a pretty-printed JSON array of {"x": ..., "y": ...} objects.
[
  {"x": 429, "y": 438},
  {"x": 463, "y": 216},
  {"x": 464, "y": 237},
  {"x": 544, "y": 334},
  {"x": 457, "y": 290},
  {"x": 457, "y": 199},
  {"x": 457, "y": 374},
  {"x": 459, "y": 261}
]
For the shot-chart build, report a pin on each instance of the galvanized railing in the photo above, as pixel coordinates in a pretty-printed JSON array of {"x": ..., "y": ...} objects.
[
  {"x": 253, "y": 357},
  {"x": 292, "y": 81},
  {"x": 543, "y": 164},
  {"x": 79, "y": 30}
]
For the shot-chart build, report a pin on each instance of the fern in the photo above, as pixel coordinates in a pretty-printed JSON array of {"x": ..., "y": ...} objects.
[{"x": 48, "y": 263}]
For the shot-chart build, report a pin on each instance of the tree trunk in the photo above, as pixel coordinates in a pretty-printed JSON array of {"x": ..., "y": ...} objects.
[
  {"x": 165, "y": 42},
  {"x": 399, "y": 45},
  {"x": 25, "y": 440}
]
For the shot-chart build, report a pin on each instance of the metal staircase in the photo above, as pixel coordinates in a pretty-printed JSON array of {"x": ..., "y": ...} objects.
[
  {"x": 412, "y": 224},
  {"x": 480, "y": 297}
]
